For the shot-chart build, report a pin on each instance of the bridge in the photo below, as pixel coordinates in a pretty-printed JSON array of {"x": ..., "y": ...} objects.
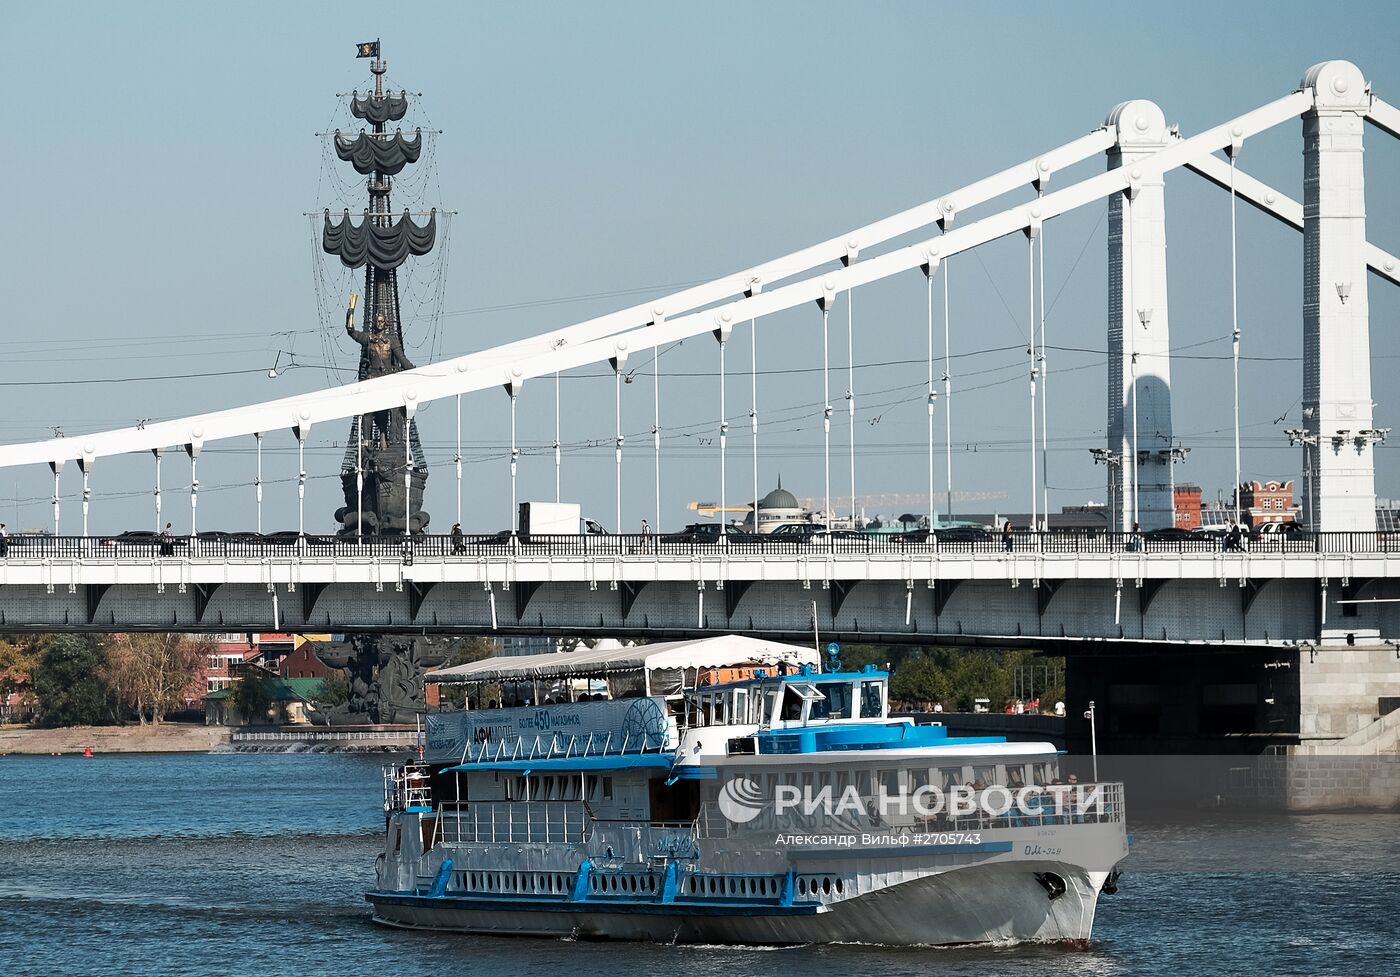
[
  {"x": 1048, "y": 589},
  {"x": 1333, "y": 587}
]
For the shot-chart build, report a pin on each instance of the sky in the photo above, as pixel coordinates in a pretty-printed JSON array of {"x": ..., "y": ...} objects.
[{"x": 159, "y": 256}]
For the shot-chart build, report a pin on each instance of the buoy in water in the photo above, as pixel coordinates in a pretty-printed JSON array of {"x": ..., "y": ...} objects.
[{"x": 87, "y": 752}]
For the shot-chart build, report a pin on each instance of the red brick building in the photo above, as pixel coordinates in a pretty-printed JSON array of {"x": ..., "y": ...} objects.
[
  {"x": 1262, "y": 502},
  {"x": 1186, "y": 502}
]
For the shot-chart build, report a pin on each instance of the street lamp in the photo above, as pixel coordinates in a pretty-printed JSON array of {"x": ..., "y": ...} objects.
[
  {"x": 1298, "y": 436},
  {"x": 1114, "y": 461}
]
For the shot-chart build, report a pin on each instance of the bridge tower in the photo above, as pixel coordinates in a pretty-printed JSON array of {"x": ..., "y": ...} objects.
[
  {"x": 384, "y": 470},
  {"x": 1339, "y": 486},
  {"x": 1139, "y": 367}
]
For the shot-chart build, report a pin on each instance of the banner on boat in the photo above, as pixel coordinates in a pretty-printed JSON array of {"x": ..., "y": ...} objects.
[{"x": 606, "y": 727}]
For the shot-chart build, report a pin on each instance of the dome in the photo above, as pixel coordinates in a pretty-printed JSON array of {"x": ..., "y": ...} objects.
[{"x": 779, "y": 498}]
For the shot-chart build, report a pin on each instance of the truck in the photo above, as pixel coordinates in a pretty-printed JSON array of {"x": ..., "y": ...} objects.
[{"x": 554, "y": 519}]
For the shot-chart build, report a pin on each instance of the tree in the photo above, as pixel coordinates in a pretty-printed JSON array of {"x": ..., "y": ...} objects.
[
  {"x": 333, "y": 690},
  {"x": 468, "y": 650},
  {"x": 251, "y": 695},
  {"x": 19, "y": 659},
  {"x": 70, "y": 683},
  {"x": 151, "y": 672}
]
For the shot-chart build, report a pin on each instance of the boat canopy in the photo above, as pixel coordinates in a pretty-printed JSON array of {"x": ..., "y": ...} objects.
[{"x": 673, "y": 657}]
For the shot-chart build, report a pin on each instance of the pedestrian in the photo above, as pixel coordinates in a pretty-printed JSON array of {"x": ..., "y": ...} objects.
[
  {"x": 459, "y": 544},
  {"x": 167, "y": 541},
  {"x": 1233, "y": 537},
  {"x": 646, "y": 529},
  {"x": 4, "y": 541},
  {"x": 1006, "y": 537}
]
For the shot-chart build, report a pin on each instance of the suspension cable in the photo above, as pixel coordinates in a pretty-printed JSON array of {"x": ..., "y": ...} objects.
[
  {"x": 457, "y": 460},
  {"x": 723, "y": 437},
  {"x": 1233, "y": 152},
  {"x": 1129, "y": 314},
  {"x": 753, "y": 412},
  {"x": 558, "y": 462},
  {"x": 1031, "y": 354},
  {"x": 617, "y": 440},
  {"x": 655, "y": 439},
  {"x": 1044, "y": 389},
  {"x": 947, "y": 389},
  {"x": 851, "y": 395},
  {"x": 932, "y": 514},
  {"x": 826, "y": 412}
]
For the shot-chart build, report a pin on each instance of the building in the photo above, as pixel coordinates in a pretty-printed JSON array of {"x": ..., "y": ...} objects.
[
  {"x": 301, "y": 662},
  {"x": 290, "y": 704},
  {"x": 1186, "y": 503},
  {"x": 778, "y": 508},
  {"x": 1262, "y": 502},
  {"x": 233, "y": 649}
]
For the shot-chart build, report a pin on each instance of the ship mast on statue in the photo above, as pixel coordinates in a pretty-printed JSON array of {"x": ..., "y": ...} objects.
[{"x": 384, "y": 470}]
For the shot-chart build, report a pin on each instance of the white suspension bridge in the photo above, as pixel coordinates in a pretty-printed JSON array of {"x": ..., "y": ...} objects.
[{"x": 1333, "y": 583}]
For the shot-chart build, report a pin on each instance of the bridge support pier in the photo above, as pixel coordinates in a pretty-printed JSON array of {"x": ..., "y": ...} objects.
[
  {"x": 1139, "y": 371},
  {"x": 1339, "y": 487}
]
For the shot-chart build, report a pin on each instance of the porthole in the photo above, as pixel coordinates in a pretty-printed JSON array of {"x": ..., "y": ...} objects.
[
  {"x": 802, "y": 886},
  {"x": 826, "y": 885},
  {"x": 840, "y": 886}
]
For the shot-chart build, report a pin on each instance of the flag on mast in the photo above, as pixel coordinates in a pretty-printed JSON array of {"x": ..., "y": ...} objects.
[{"x": 367, "y": 49}]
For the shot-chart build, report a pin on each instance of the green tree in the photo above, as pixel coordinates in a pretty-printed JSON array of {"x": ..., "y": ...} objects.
[
  {"x": 251, "y": 695},
  {"x": 333, "y": 690},
  {"x": 69, "y": 683},
  {"x": 19, "y": 659},
  {"x": 469, "y": 650},
  {"x": 919, "y": 679}
]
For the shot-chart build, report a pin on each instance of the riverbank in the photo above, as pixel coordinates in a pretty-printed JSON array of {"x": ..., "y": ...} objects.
[{"x": 166, "y": 738}]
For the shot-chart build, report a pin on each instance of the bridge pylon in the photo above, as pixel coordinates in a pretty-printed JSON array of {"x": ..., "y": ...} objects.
[
  {"x": 1139, "y": 363},
  {"x": 1339, "y": 481}
]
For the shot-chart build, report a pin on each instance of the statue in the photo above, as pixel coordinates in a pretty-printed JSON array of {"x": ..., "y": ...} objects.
[{"x": 385, "y": 676}]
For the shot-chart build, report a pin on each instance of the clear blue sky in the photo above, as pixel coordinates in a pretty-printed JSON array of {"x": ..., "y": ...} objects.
[{"x": 164, "y": 154}]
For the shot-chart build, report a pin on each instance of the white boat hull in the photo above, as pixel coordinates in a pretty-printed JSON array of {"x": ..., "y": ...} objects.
[{"x": 995, "y": 902}]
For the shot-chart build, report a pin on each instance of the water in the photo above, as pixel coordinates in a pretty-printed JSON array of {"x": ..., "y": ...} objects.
[{"x": 254, "y": 866}]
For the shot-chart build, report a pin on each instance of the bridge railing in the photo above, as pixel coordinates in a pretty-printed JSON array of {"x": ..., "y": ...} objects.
[{"x": 957, "y": 542}]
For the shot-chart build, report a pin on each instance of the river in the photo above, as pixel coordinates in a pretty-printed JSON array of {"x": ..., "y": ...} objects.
[{"x": 254, "y": 865}]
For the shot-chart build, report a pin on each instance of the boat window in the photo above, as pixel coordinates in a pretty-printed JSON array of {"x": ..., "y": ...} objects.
[
  {"x": 792, "y": 704},
  {"x": 872, "y": 700},
  {"x": 607, "y": 788},
  {"x": 741, "y": 705},
  {"x": 889, "y": 782},
  {"x": 1015, "y": 775},
  {"x": 721, "y": 709},
  {"x": 770, "y": 696},
  {"x": 918, "y": 777},
  {"x": 836, "y": 705},
  {"x": 951, "y": 776},
  {"x": 983, "y": 777}
]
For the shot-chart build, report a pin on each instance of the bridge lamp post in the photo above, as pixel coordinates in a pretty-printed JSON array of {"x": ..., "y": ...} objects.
[
  {"x": 1171, "y": 457},
  {"x": 1298, "y": 436},
  {"x": 1114, "y": 461}
]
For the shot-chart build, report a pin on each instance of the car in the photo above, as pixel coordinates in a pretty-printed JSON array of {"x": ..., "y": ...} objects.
[
  {"x": 1169, "y": 532},
  {"x": 290, "y": 537},
  {"x": 962, "y": 534},
  {"x": 709, "y": 532},
  {"x": 141, "y": 538}
]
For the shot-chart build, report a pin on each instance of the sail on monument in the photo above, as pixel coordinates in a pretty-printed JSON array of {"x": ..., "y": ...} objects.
[{"x": 384, "y": 470}]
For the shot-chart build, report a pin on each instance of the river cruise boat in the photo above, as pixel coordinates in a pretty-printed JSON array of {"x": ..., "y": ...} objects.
[{"x": 727, "y": 790}]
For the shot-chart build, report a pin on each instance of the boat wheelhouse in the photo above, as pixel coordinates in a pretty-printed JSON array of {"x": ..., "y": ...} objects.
[{"x": 726, "y": 790}]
